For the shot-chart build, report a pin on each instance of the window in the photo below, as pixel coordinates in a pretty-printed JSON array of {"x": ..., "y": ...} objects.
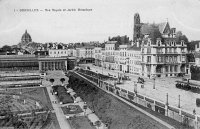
[
  {"x": 175, "y": 68},
  {"x": 148, "y": 68},
  {"x": 175, "y": 58},
  {"x": 175, "y": 50},
  {"x": 182, "y": 43},
  {"x": 148, "y": 59},
  {"x": 170, "y": 50},
  {"x": 170, "y": 59},
  {"x": 183, "y": 58},
  {"x": 166, "y": 58},
  {"x": 159, "y": 43},
  {"x": 148, "y": 50},
  {"x": 182, "y": 50},
  {"x": 166, "y": 68},
  {"x": 171, "y": 68}
]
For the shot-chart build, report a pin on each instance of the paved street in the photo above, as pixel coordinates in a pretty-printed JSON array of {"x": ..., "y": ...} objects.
[
  {"x": 64, "y": 124},
  {"x": 163, "y": 86}
]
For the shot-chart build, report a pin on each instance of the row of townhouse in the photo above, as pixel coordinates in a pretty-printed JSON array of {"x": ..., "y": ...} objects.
[{"x": 125, "y": 58}]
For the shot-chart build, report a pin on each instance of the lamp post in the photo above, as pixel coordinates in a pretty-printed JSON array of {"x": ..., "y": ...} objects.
[
  {"x": 167, "y": 103},
  {"x": 179, "y": 103},
  {"x": 102, "y": 66},
  {"x": 154, "y": 83},
  {"x": 135, "y": 87}
]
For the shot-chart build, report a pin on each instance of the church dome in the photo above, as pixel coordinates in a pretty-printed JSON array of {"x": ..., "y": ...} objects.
[{"x": 26, "y": 38}]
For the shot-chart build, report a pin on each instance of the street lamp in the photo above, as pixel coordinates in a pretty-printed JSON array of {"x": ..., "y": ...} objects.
[
  {"x": 167, "y": 103},
  {"x": 179, "y": 103},
  {"x": 135, "y": 87}
]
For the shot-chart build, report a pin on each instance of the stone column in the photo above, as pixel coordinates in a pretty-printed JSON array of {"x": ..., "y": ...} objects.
[
  {"x": 60, "y": 66},
  {"x": 65, "y": 64},
  {"x": 53, "y": 65},
  {"x": 40, "y": 67}
]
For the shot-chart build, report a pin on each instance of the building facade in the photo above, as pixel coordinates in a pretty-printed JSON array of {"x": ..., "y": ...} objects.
[
  {"x": 58, "y": 52},
  {"x": 134, "y": 59},
  {"x": 97, "y": 56},
  {"x": 163, "y": 54},
  {"x": 108, "y": 55}
]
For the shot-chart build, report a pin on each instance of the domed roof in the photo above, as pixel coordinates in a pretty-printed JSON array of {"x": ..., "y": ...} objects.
[{"x": 26, "y": 37}]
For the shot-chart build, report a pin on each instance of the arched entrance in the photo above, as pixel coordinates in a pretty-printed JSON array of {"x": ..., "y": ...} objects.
[
  {"x": 159, "y": 70},
  {"x": 183, "y": 68}
]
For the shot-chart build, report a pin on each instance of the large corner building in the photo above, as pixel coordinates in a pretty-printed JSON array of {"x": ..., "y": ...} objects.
[{"x": 163, "y": 54}]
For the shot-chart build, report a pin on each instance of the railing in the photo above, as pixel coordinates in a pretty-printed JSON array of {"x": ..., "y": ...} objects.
[
  {"x": 167, "y": 52},
  {"x": 159, "y": 52},
  {"x": 16, "y": 56},
  {"x": 186, "y": 117}
]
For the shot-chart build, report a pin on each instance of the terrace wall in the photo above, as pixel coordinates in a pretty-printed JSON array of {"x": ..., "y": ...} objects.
[{"x": 187, "y": 118}]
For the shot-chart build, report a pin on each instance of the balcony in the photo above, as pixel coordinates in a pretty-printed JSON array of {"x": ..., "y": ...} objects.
[
  {"x": 159, "y": 52},
  {"x": 171, "y": 62},
  {"x": 160, "y": 62},
  {"x": 171, "y": 52}
]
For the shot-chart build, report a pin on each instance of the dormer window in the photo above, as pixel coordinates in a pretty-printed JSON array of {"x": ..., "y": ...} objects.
[
  {"x": 159, "y": 43},
  {"x": 149, "y": 43},
  {"x": 182, "y": 42}
]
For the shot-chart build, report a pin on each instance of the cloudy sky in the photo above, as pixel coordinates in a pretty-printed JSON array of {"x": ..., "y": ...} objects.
[{"x": 107, "y": 18}]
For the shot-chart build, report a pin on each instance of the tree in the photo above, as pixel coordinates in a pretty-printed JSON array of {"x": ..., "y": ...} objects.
[
  {"x": 98, "y": 123},
  {"x": 6, "y": 48},
  {"x": 62, "y": 80},
  {"x": 52, "y": 80}
]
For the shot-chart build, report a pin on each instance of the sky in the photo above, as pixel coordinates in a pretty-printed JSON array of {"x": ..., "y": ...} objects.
[{"x": 107, "y": 18}]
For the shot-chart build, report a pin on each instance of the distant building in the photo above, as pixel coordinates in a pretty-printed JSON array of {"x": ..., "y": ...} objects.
[
  {"x": 134, "y": 59},
  {"x": 97, "y": 55},
  {"x": 26, "y": 38},
  {"x": 58, "y": 52},
  {"x": 108, "y": 54}
]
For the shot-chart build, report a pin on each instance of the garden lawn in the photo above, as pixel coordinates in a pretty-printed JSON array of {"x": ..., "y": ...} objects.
[
  {"x": 67, "y": 110},
  {"x": 80, "y": 123}
]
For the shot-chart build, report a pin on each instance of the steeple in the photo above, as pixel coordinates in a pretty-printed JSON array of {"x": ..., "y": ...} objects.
[{"x": 137, "y": 26}]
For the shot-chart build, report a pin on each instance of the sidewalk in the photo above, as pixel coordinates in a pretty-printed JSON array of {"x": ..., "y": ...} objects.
[{"x": 64, "y": 124}]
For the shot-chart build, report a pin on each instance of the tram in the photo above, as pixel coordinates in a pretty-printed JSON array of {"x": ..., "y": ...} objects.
[{"x": 190, "y": 85}]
